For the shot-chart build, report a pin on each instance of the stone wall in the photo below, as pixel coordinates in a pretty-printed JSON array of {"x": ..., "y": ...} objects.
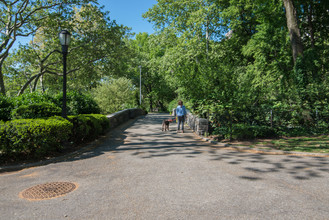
[
  {"x": 198, "y": 125},
  {"x": 120, "y": 117}
]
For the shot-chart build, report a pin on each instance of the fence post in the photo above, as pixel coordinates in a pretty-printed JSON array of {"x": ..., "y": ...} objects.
[{"x": 271, "y": 118}]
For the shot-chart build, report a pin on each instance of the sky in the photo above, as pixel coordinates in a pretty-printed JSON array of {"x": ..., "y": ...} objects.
[
  {"x": 125, "y": 12},
  {"x": 129, "y": 13}
]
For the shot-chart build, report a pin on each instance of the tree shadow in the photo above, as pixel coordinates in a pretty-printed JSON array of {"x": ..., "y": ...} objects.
[
  {"x": 143, "y": 138},
  {"x": 298, "y": 167}
]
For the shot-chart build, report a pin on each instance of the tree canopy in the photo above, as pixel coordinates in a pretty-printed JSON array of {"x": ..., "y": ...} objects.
[{"x": 260, "y": 62}]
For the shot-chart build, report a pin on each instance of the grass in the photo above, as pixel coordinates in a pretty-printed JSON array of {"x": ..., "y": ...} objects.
[{"x": 316, "y": 144}]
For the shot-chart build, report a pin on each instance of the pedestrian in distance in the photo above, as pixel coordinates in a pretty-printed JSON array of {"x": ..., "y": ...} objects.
[{"x": 181, "y": 114}]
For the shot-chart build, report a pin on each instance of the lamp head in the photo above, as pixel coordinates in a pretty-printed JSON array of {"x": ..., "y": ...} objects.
[{"x": 64, "y": 38}]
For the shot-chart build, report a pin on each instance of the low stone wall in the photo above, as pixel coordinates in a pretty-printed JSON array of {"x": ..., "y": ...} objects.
[
  {"x": 198, "y": 125},
  {"x": 120, "y": 117}
]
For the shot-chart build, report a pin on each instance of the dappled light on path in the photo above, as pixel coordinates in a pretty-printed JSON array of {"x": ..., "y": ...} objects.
[{"x": 138, "y": 171}]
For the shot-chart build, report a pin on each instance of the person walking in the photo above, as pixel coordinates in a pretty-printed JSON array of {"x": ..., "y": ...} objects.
[{"x": 181, "y": 114}]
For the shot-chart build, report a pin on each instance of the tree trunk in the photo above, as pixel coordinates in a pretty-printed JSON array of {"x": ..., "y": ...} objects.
[
  {"x": 2, "y": 83},
  {"x": 310, "y": 24},
  {"x": 294, "y": 32},
  {"x": 21, "y": 91},
  {"x": 35, "y": 83}
]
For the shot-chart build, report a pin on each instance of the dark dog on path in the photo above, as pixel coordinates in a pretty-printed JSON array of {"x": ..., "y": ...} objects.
[{"x": 165, "y": 124}]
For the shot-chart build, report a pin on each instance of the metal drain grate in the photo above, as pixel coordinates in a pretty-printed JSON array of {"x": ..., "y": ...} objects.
[{"x": 48, "y": 190}]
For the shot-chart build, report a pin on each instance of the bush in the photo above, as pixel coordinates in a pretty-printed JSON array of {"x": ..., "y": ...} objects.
[
  {"x": 37, "y": 110},
  {"x": 173, "y": 104},
  {"x": 6, "y": 106},
  {"x": 102, "y": 120},
  {"x": 88, "y": 127},
  {"x": 242, "y": 131},
  {"x": 115, "y": 95},
  {"x": 78, "y": 103},
  {"x": 33, "y": 137},
  {"x": 32, "y": 98}
]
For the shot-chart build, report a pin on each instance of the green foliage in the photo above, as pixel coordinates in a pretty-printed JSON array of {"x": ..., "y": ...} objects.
[
  {"x": 88, "y": 127},
  {"x": 36, "y": 110},
  {"x": 233, "y": 61},
  {"x": 173, "y": 104},
  {"x": 32, "y": 98},
  {"x": 33, "y": 137},
  {"x": 6, "y": 106},
  {"x": 242, "y": 131},
  {"x": 149, "y": 50},
  {"x": 115, "y": 95},
  {"x": 97, "y": 50},
  {"x": 78, "y": 103}
]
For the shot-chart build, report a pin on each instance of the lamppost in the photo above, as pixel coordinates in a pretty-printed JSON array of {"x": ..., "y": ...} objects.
[
  {"x": 140, "y": 85},
  {"x": 64, "y": 38}
]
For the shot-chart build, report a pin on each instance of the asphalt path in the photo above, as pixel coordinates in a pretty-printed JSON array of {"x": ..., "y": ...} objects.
[{"x": 140, "y": 172}]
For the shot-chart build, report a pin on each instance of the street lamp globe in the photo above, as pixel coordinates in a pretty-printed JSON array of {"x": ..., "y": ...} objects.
[{"x": 64, "y": 38}]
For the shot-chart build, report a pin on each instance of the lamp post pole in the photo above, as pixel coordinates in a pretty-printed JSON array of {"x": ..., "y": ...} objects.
[
  {"x": 64, "y": 38},
  {"x": 140, "y": 85},
  {"x": 64, "y": 85}
]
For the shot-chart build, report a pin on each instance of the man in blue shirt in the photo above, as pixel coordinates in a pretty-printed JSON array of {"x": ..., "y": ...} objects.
[{"x": 181, "y": 114}]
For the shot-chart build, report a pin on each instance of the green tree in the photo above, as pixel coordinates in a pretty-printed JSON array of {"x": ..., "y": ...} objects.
[
  {"x": 96, "y": 51},
  {"x": 114, "y": 95},
  {"x": 148, "y": 51},
  {"x": 23, "y": 18}
]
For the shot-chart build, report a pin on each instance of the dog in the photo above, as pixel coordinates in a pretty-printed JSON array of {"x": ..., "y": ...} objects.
[{"x": 165, "y": 124}]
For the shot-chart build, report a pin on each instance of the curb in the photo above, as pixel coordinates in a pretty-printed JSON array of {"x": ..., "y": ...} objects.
[
  {"x": 87, "y": 147},
  {"x": 65, "y": 157}
]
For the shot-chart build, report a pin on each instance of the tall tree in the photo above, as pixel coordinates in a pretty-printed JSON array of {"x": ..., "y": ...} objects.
[
  {"x": 294, "y": 31},
  {"x": 23, "y": 18},
  {"x": 97, "y": 50}
]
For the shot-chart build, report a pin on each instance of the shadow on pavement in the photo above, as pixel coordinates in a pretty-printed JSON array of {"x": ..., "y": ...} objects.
[
  {"x": 299, "y": 168},
  {"x": 144, "y": 139}
]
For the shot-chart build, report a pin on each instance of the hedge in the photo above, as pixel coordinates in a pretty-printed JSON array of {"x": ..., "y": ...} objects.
[
  {"x": 78, "y": 103},
  {"x": 35, "y": 138},
  {"x": 87, "y": 127},
  {"x": 39, "y": 105},
  {"x": 6, "y": 106},
  {"x": 36, "y": 110}
]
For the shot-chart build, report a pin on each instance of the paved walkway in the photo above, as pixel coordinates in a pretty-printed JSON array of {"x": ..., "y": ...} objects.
[{"x": 140, "y": 172}]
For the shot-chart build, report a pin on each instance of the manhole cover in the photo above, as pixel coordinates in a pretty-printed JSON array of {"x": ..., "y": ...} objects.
[{"x": 48, "y": 190}]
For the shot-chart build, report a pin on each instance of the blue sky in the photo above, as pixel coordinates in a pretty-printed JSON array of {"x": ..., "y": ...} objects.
[
  {"x": 125, "y": 12},
  {"x": 129, "y": 13}
]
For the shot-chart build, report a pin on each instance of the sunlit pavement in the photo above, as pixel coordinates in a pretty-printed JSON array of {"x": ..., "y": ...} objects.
[{"x": 140, "y": 172}]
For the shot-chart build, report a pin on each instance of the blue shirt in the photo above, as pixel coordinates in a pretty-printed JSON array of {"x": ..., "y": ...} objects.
[{"x": 180, "y": 110}]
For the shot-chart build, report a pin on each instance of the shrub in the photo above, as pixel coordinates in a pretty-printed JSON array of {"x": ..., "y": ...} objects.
[
  {"x": 6, "y": 106},
  {"x": 37, "y": 110},
  {"x": 32, "y": 98},
  {"x": 87, "y": 127},
  {"x": 78, "y": 103},
  {"x": 102, "y": 120},
  {"x": 39, "y": 137},
  {"x": 115, "y": 95},
  {"x": 33, "y": 137},
  {"x": 242, "y": 131}
]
